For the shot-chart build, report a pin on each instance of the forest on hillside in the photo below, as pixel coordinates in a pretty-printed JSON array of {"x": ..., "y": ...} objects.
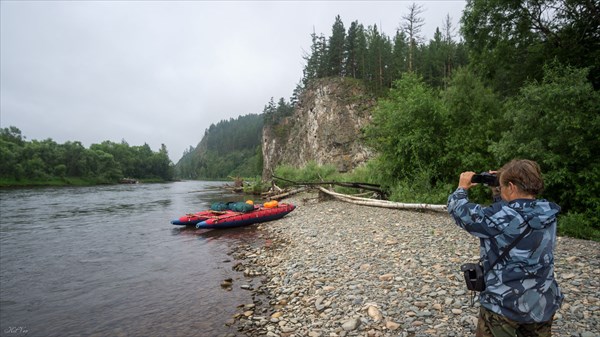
[
  {"x": 367, "y": 54},
  {"x": 505, "y": 42},
  {"x": 34, "y": 162},
  {"x": 229, "y": 148}
]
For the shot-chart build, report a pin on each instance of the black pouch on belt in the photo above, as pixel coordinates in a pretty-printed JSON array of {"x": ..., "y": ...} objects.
[{"x": 474, "y": 277}]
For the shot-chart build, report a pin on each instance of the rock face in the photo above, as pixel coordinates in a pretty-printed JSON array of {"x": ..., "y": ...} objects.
[{"x": 325, "y": 127}]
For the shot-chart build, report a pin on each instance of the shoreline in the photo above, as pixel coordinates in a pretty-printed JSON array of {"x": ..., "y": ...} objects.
[{"x": 337, "y": 269}]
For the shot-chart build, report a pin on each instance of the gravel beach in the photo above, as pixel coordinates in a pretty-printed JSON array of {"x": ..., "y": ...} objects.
[{"x": 337, "y": 269}]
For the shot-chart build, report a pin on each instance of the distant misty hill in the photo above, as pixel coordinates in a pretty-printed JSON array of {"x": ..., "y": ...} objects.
[{"x": 229, "y": 148}]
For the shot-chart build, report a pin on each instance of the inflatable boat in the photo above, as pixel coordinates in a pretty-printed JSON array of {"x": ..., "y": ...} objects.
[{"x": 228, "y": 218}]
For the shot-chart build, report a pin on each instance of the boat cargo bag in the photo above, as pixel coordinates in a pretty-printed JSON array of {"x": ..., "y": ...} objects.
[{"x": 241, "y": 207}]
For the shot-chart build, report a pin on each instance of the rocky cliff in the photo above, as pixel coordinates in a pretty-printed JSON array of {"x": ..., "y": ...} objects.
[{"x": 325, "y": 127}]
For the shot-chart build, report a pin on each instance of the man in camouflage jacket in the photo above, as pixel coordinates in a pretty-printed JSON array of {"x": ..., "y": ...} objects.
[{"x": 521, "y": 294}]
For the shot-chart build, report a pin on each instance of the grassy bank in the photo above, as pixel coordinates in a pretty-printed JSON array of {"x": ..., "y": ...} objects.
[{"x": 67, "y": 181}]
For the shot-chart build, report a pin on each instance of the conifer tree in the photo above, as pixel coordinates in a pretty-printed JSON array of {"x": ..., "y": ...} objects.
[
  {"x": 379, "y": 59},
  {"x": 316, "y": 61},
  {"x": 361, "y": 52},
  {"x": 435, "y": 61},
  {"x": 351, "y": 51},
  {"x": 399, "y": 54},
  {"x": 336, "y": 49},
  {"x": 412, "y": 25},
  {"x": 449, "y": 47}
]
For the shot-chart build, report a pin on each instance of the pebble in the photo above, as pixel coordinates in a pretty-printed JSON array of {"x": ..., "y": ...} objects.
[
  {"x": 341, "y": 270},
  {"x": 351, "y": 324}
]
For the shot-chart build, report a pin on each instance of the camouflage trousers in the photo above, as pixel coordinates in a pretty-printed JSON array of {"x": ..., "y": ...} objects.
[{"x": 491, "y": 324}]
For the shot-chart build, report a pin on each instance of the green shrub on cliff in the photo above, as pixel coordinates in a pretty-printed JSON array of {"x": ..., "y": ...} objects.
[{"x": 312, "y": 172}]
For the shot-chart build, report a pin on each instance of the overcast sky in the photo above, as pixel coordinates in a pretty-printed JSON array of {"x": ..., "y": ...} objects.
[{"x": 161, "y": 72}]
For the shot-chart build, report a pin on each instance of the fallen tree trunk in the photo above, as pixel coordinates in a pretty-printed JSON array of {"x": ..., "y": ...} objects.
[
  {"x": 287, "y": 194},
  {"x": 362, "y": 186},
  {"x": 382, "y": 203}
]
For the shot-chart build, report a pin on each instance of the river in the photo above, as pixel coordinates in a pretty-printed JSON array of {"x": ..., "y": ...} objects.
[{"x": 105, "y": 261}]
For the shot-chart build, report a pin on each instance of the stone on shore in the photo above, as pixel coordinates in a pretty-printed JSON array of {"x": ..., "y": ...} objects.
[
  {"x": 335, "y": 269},
  {"x": 351, "y": 324}
]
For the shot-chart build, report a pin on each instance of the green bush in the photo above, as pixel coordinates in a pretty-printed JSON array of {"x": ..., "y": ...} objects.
[
  {"x": 255, "y": 186},
  {"x": 579, "y": 225},
  {"x": 407, "y": 131},
  {"x": 420, "y": 190},
  {"x": 556, "y": 122},
  {"x": 312, "y": 172}
]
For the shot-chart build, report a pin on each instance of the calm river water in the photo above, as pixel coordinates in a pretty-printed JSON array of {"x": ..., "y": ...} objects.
[{"x": 105, "y": 261}]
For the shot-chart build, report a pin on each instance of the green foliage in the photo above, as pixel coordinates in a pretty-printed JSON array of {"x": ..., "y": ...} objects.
[
  {"x": 435, "y": 55},
  {"x": 425, "y": 141},
  {"x": 419, "y": 189},
  {"x": 510, "y": 41},
  {"x": 378, "y": 60},
  {"x": 316, "y": 64},
  {"x": 556, "y": 122},
  {"x": 501, "y": 42},
  {"x": 251, "y": 164},
  {"x": 229, "y": 148},
  {"x": 354, "y": 47},
  {"x": 116, "y": 160},
  {"x": 276, "y": 114},
  {"x": 407, "y": 131},
  {"x": 48, "y": 163},
  {"x": 372, "y": 56},
  {"x": 312, "y": 172},
  {"x": 52, "y": 181},
  {"x": 366, "y": 173},
  {"x": 255, "y": 186},
  {"x": 580, "y": 225},
  {"x": 243, "y": 132},
  {"x": 473, "y": 121},
  {"x": 335, "y": 52}
]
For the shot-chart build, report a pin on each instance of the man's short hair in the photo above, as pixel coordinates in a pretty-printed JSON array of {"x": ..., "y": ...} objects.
[{"x": 525, "y": 174}]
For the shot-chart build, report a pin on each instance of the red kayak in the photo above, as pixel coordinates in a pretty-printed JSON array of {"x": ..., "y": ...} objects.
[
  {"x": 192, "y": 219},
  {"x": 228, "y": 219}
]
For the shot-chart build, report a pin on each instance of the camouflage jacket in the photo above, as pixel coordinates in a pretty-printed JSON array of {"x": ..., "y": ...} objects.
[{"x": 521, "y": 287}]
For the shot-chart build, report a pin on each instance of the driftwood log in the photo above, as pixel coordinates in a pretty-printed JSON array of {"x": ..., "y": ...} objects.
[
  {"x": 286, "y": 194},
  {"x": 382, "y": 203},
  {"x": 355, "y": 199},
  {"x": 362, "y": 186}
]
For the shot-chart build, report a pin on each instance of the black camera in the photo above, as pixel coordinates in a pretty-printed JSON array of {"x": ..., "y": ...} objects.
[{"x": 486, "y": 178}]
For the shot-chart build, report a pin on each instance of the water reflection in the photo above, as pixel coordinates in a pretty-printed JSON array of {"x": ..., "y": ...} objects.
[{"x": 240, "y": 234}]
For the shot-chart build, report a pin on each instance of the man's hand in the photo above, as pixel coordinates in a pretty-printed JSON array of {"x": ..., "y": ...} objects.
[{"x": 465, "y": 180}]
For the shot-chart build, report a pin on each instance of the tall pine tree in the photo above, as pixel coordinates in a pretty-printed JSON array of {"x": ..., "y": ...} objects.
[
  {"x": 336, "y": 49},
  {"x": 412, "y": 25}
]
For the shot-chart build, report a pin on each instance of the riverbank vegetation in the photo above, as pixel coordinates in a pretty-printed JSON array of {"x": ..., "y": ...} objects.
[
  {"x": 528, "y": 89},
  {"x": 230, "y": 148},
  {"x": 47, "y": 163},
  {"x": 425, "y": 139}
]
